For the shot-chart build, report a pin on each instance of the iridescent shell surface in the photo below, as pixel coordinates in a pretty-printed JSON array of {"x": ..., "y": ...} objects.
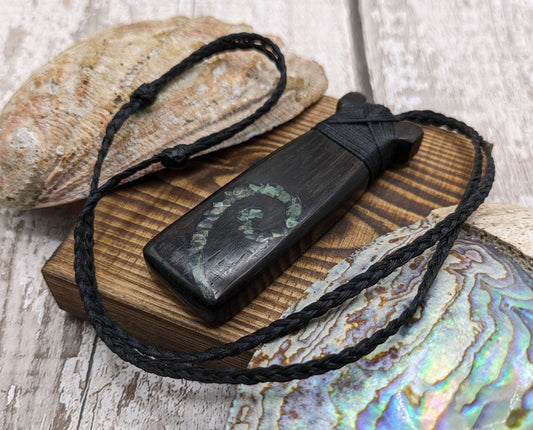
[
  {"x": 465, "y": 362},
  {"x": 52, "y": 127}
]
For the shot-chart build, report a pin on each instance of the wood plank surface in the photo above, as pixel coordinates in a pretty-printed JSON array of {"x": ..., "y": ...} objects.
[
  {"x": 468, "y": 59},
  {"x": 131, "y": 216}
]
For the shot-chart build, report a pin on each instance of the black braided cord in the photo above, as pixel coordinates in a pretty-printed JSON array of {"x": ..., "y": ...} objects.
[{"x": 183, "y": 365}]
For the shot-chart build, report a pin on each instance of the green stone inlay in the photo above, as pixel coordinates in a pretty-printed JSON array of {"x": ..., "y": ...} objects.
[
  {"x": 270, "y": 191},
  {"x": 255, "y": 213},
  {"x": 294, "y": 211},
  {"x": 204, "y": 226},
  {"x": 284, "y": 197},
  {"x": 291, "y": 223}
]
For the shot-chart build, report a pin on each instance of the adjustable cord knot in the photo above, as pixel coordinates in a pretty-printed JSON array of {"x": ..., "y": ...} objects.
[
  {"x": 175, "y": 157},
  {"x": 145, "y": 95}
]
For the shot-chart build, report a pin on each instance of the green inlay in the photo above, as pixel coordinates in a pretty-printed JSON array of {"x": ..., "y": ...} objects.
[{"x": 204, "y": 226}]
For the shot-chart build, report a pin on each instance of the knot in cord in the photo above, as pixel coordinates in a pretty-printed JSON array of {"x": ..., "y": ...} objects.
[
  {"x": 367, "y": 131},
  {"x": 175, "y": 157},
  {"x": 145, "y": 95}
]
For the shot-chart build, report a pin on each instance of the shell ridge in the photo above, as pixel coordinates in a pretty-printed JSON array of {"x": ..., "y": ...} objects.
[{"x": 54, "y": 123}]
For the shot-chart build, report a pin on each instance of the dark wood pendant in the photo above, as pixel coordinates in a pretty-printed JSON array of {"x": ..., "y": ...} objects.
[{"x": 221, "y": 254}]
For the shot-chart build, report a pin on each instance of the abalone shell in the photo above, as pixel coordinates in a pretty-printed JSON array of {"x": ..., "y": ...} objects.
[
  {"x": 466, "y": 361},
  {"x": 52, "y": 127}
]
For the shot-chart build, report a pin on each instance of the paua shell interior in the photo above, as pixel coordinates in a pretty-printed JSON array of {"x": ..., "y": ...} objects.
[{"x": 464, "y": 362}]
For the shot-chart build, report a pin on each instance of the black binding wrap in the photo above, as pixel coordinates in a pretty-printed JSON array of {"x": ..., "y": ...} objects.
[{"x": 185, "y": 365}]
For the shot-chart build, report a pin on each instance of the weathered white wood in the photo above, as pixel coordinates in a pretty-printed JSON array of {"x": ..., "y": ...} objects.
[
  {"x": 317, "y": 29},
  {"x": 469, "y": 59},
  {"x": 36, "y": 339},
  {"x": 54, "y": 373}
]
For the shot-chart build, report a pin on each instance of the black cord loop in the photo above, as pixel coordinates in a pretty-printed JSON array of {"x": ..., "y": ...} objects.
[{"x": 186, "y": 365}]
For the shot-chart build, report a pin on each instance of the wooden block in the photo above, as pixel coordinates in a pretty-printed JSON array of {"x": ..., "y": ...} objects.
[{"x": 127, "y": 219}]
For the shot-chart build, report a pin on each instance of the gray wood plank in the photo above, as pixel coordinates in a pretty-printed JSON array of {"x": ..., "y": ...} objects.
[
  {"x": 39, "y": 345},
  {"x": 471, "y": 60}
]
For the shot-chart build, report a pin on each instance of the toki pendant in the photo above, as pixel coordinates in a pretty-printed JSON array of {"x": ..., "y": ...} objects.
[{"x": 225, "y": 251}]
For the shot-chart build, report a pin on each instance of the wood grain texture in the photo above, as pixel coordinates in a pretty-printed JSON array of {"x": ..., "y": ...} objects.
[
  {"x": 468, "y": 59},
  {"x": 54, "y": 374},
  {"x": 128, "y": 218}
]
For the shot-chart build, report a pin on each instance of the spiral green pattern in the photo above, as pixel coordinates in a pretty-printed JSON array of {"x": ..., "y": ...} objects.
[{"x": 246, "y": 216}]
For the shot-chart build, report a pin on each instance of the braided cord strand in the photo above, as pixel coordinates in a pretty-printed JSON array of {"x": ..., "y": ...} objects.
[{"x": 181, "y": 365}]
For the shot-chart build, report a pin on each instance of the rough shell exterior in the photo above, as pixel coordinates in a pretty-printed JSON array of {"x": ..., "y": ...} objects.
[{"x": 52, "y": 127}]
